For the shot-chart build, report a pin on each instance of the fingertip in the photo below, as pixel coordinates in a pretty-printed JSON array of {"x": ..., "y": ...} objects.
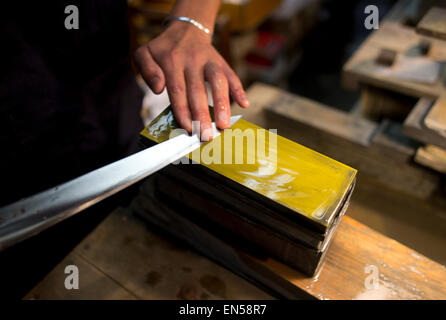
[
  {"x": 243, "y": 99},
  {"x": 182, "y": 117},
  {"x": 186, "y": 124},
  {"x": 206, "y": 130},
  {"x": 223, "y": 125},
  {"x": 156, "y": 85},
  {"x": 207, "y": 134},
  {"x": 222, "y": 117},
  {"x": 244, "y": 103},
  {"x": 159, "y": 89}
]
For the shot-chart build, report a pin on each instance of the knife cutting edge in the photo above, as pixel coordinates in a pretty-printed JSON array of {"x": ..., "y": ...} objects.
[{"x": 29, "y": 216}]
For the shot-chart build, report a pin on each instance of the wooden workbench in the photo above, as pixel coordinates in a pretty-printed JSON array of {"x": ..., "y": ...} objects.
[{"x": 124, "y": 259}]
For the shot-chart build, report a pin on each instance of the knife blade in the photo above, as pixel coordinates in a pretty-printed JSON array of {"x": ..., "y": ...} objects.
[{"x": 29, "y": 216}]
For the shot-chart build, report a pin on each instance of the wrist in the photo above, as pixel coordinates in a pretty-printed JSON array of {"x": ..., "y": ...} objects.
[{"x": 180, "y": 28}]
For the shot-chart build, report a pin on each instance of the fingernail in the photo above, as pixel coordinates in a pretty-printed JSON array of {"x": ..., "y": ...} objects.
[
  {"x": 154, "y": 82},
  {"x": 245, "y": 100},
  {"x": 206, "y": 135},
  {"x": 187, "y": 125}
]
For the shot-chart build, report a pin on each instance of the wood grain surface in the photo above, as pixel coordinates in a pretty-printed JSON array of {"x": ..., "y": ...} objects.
[
  {"x": 123, "y": 259},
  {"x": 433, "y": 23},
  {"x": 362, "y": 68},
  {"x": 414, "y": 126},
  {"x": 402, "y": 272},
  {"x": 432, "y": 157},
  {"x": 436, "y": 117}
]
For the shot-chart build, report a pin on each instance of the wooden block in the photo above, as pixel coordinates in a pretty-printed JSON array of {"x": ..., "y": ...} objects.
[
  {"x": 320, "y": 116},
  {"x": 408, "y": 12},
  {"x": 390, "y": 140},
  {"x": 378, "y": 104},
  {"x": 294, "y": 184},
  {"x": 404, "y": 41},
  {"x": 436, "y": 117},
  {"x": 433, "y": 23},
  {"x": 208, "y": 211},
  {"x": 425, "y": 46},
  {"x": 238, "y": 205},
  {"x": 294, "y": 181},
  {"x": 432, "y": 157},
  {"x": 414, "y": 125},
  {"x": 386, "y": 57},
  {"x": 362, "y": 68}
]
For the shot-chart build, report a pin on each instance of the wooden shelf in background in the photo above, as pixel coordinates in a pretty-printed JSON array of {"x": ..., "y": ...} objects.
[
  {"x": 362, "y": 68},
  {"x": 436, "y": 117},
  {"x": 433, "y": 24},
  {"x": 414, "y": 126},
  {"x": 433, "y": 157}
]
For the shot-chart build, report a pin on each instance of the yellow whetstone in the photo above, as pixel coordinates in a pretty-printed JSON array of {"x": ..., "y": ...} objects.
[{"x": 288, "y": 173}]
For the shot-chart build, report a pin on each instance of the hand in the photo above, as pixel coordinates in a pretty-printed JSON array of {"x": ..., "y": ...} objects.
[{"x": 182, "y": 58}]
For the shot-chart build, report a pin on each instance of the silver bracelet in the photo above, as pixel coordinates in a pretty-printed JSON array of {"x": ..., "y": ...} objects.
[{"x": 190, "y": 20}]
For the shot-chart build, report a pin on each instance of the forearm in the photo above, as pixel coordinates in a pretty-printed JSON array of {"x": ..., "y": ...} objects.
[{"x": 204, "y": 11}]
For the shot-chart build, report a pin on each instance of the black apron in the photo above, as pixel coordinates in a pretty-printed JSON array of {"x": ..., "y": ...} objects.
[{"x": 68, "y": 100}]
